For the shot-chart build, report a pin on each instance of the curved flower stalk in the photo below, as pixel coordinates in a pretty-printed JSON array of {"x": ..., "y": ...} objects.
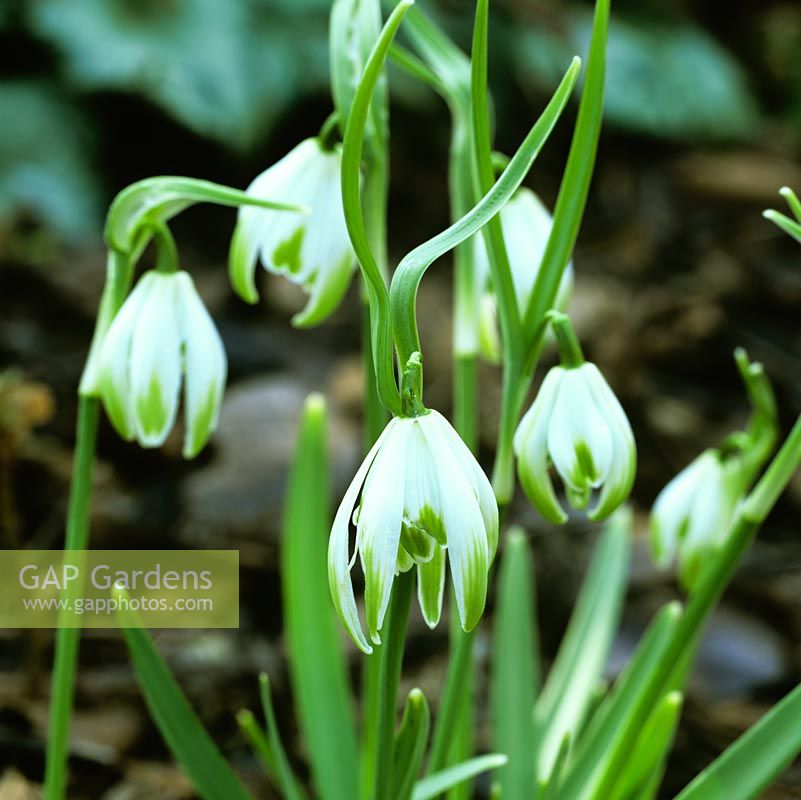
[
  {"x": 161, "y": 335},
  {"x": 311, "y": 250},
  {"x": 693, "y": 515},
  {"x": 526, "y": 226},
  {"x": 423, "y": 497},
  {"x": 577, "y": 425}
]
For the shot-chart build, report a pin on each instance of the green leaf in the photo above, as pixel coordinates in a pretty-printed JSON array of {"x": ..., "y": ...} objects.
[
  {"x": 283, "y": 771},
  {"x": 652, "y": 746},
  {"x": 317, "y": 667},
  {"x": 590, "y": 754},
  {"x": 183, "y": 732},
  {"x": 515, "y": 668},
  {"x": 224, "y": 69},
  {"x": 744, "y": 770},
  {"x": 258, "y": 741},
  {"x": 410, "y": 271},
  {"x": 434, "y": 785},
  {"x": 563, "y": 704},
  {"x": 667, "y": 80},
  {"x": 410, "y": 745},
  {"x": 45, "y": 169}
]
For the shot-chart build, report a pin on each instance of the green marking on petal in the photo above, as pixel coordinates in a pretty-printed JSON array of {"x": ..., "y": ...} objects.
[
  {"x": 287, "y": 255},
  {"x": 151, "y": 408},
  {"x": 200, "y": 426},
  {"x": 586, "y": 464},
  {"x": 417, "y": 543},
  {"x": 115, "y": 405},
  {"x": 432, "y": 523}
]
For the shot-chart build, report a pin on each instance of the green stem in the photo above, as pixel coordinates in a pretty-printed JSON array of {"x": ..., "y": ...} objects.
[
  {"x": 353, "y": 145},
  {"x": 569, "y": 348},
  {"x": 390, "y": 654},
  {"x": 753, "y": 512},
  {"x": 465, "y": 400},
  {"x": 508, "y": 313},
  {"x": 450, "y": 704},
  {"x": 513, "y": 395},
  {"x": 63, "y": 684}
]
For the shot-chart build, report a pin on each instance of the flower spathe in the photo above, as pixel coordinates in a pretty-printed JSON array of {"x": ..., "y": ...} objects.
[
  {"x": 161, "y": 335},
  {"x": 693, "y": 514},
  {"x": 526, "y": 225},
  {"x": 312, "y": 250},
  {"x": 419, "y": 497},
  {"x": 577, "y": 425}
]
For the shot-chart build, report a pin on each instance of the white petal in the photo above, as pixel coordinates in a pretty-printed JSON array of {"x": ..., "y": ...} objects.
[
  {"x": 526, "y": 226},
  {"x": 205, "y": 367},
  {"x": 339, "y": 562},
  {"x": 431, "y": 587},
  {"x": 619, "y": 478},
  {"x": 422, "y": 504},
  {"x": 670, "y": 515},
  {"x": 114, "y": 377},
  {"x": 379, "y": 528},
  {"x": 156, "y": 362},
  {"x": 579, "y": 438},
  {"x": 478, "y": 480},
  {"x": 531, "y": 449},
  {"x": 468, "y": 549},
  {"x": 264, "y": 230}
]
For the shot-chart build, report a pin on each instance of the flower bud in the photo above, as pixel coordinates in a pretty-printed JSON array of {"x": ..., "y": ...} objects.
[
  {"x": 577, "y": 425},
  {"x": 526, "y": 225},
  {"x": 693, "y": 514},
  {"x": 162, "y": 332},
  {"x": 423, "y": 496},
  {"x": 312, "y": 250}
]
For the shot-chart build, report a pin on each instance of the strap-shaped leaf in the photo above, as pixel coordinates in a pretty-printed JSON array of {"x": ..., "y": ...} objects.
[
  {"x": 563, "y": 705},
  {"x": 317, "y": 667},
  {"x": 595, "y": 742},
  {"x": 649, "y": 753},
  {"x": 515, "y": 668},
  {"x": 182, "y": 731},
  {"x": 283, "y": 771},
  {"x": 410, "y": 745},
  {"x": 756, "y": 759},
  {"x": 434, "y": 785}
]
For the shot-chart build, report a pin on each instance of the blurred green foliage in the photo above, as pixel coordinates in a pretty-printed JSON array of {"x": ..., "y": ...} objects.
[
  {"x": 44, "y": 166},
  {"x": 229, "y": 70},
  {"x": 226, "y": 70},
  {"x": 670, "y": 81}
]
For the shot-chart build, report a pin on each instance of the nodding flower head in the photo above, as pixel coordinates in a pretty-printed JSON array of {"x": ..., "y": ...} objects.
[
  {"x": 163, "y": 333},
  {"x": 693, "y": 514},
  {"x": 526, "y": 227},
  {"x": 418, "y": 497},
  {"x": 577, "y": 425},
  {"x": 312, "y": 250}
]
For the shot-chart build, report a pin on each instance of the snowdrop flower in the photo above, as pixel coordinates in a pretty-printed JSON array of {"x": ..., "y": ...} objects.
[
  {"x": 423, "y": 496},
  {"x": 526, "y": 225},
  {"x": 312, "y": 250},
  {"x": 576, "y": 424},
  {"x": 163, "y": 332},
  {"x": 693, "y": 514}
]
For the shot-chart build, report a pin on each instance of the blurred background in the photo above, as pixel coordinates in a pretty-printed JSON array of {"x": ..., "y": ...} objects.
[{"x": 675, "y": 267}]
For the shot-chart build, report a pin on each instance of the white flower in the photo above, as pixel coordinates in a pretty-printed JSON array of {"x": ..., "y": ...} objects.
[
  {"x": 312, "y": 249},
  {"x": 423, "y": 495},
  {"x": 577, "y": 424},
  {"x": 163, "y": 331},
  {"x": 693, "y": 514},
  {"x": 526, "y": 225}
]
